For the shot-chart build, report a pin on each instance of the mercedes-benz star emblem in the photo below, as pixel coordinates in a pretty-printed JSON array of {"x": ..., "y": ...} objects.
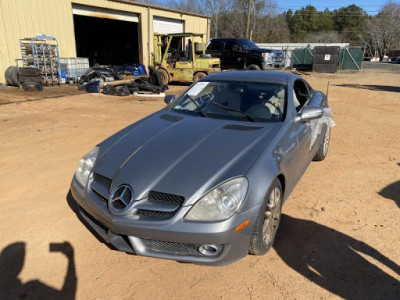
[{"x": 121, "y": 198}]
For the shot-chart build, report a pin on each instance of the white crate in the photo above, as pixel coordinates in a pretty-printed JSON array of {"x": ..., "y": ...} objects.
[{"x": 74, "y": 66}]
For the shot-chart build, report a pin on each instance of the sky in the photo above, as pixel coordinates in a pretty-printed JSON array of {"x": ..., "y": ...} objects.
[{"x": 370, "y": 6}]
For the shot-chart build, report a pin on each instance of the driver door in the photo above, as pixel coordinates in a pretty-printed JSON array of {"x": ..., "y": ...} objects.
[{"x": 302, "y": 130}]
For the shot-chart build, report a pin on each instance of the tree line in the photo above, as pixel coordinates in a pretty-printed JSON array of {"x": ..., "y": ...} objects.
[{"x": 268, "y": 24}]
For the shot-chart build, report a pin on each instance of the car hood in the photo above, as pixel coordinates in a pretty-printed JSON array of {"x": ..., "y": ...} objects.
[{"x": 181, "y": 154}]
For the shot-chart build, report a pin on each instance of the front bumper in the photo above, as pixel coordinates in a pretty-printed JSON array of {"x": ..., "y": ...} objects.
[
  {"x": 273, "y": 64},
  {"x": 172, "y": 238}
]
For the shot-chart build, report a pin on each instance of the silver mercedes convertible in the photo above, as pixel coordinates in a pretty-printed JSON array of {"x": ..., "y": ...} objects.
[{"x": 204, "y": 179}]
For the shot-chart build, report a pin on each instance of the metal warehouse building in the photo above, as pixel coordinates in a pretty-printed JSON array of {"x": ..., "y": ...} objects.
[{"x": 106, "y": 31}]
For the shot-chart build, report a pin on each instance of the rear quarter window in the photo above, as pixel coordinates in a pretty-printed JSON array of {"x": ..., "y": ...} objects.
[{"x": 215, "y": 45}]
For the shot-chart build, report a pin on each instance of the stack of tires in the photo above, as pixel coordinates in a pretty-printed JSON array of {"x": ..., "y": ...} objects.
[{"x": 29, "y": 78}]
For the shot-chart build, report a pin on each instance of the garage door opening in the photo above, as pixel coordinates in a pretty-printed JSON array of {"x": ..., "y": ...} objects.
[{"x": 106, "y": 41}]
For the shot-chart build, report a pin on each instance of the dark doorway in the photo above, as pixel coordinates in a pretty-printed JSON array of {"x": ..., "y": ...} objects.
[{"x": 106, "y": 41}]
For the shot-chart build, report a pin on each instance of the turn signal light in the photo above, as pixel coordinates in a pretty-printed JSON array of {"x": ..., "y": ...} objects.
[{"x": 242, "y": 226}]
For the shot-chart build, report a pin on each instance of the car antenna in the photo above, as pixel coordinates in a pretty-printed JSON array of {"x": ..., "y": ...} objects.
[{"x": 327, "y": 91}]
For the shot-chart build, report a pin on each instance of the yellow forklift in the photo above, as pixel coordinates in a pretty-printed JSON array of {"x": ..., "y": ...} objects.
[{"x": 176, "y": 57}]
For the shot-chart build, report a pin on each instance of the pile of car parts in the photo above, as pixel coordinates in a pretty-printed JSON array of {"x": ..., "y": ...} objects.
[
  {"x": 111, "y": 73},
  {"x": 98, "y": 79}
]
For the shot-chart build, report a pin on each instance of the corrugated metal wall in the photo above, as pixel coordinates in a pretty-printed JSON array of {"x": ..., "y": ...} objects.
[
  {"x": 21, "y": 18},
  {"x": 26, "y": 18}
]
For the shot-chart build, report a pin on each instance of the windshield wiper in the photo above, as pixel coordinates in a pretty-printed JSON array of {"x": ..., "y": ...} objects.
[
  {"x": 235, "y": 110},
  {"x": 203, "y": 114}
]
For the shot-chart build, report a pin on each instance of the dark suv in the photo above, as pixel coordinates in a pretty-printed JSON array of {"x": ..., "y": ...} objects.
[{"x": 244, "y": 54}]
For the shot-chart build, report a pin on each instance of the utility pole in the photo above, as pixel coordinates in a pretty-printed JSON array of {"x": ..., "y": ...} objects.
[{"x": 248, "y": 19}]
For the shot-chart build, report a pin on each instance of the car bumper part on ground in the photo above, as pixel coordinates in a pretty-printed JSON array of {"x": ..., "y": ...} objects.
[{"x": 172, "y": 238}]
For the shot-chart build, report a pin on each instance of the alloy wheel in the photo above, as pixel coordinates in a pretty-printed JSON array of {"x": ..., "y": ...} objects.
[{"x": 272, "y": 216}]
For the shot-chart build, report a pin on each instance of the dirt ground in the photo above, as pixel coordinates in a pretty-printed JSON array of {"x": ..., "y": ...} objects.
[{"x": 339, "y": 235}]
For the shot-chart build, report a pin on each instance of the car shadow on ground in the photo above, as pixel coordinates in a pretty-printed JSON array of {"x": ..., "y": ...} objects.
[
  {"x": 392, "y": 192},
  {"x": 12, "y": 260},
  {"x": 336, "y": 261},
  {"x": 372, "y": 87}
]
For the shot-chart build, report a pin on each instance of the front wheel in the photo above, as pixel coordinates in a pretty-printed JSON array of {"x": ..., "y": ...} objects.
[
  {"x": 164, "y": 76},
  {"x": 267, "y": 223},
  {"x": 323, "y": 148},
  {"x": 198, "y": 76},
  {"x": 253, "y": 67}
]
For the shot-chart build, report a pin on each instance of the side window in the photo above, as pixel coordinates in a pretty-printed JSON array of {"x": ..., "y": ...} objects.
[
  {"x": 216, "y": 45},
  {"x": 229, "y": 45},
  {"x": 301, "y": 94},
  {"x": 310, "y": 89}
]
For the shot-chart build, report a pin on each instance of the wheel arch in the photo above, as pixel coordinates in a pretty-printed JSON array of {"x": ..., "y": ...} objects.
[
  {"x": 281, "y": 178},
  {"x": 253, "y": 61}
]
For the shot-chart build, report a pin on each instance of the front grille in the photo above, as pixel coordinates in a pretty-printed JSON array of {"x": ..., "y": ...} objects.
[
  {"x": 159, "y": 200},
  {"x": 161, "y": 204},
  {"x": 153, "y": 213},
  {"x": 175, "y": 248},
  {"x": 164, "y": 197},
  {"x": 103, "y": 181}
]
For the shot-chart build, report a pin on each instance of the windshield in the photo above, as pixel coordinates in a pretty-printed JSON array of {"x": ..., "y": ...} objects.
[
  {"x": 247, "y": 101},
  {"x": 247, "y": 43}
]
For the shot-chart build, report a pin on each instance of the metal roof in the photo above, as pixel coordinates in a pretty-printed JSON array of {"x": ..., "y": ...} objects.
[
  {"x": 185, "y": 34},
  {"x": 131, "y": 2}
]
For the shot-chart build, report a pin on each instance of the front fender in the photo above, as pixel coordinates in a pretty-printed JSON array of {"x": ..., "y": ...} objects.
[{"x": 261, "y": 175}]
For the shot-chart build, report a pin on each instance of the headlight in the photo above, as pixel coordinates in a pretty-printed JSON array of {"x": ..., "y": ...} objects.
[
  {"x": 221, "y": 202},
  {"x": 267, "y": 57},
  {"x": 85, "y": 166}
]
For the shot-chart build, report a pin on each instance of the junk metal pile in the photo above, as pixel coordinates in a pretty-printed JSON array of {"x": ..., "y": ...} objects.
[{"x": 121, "y": 81}]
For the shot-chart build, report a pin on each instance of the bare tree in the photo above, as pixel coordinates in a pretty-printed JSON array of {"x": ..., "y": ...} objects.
[
  {"x": 383, "y": 30},
  {"x": 215, "y": 8}
]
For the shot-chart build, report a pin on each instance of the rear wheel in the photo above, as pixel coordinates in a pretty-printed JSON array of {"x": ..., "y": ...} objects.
[
  {"x": 198, "y": 76},
  {"x": 253, "y": 68},
  {"x": 164, "y": 76},
  {"x": 267, "y": 223},
  {"x": 323, "y": 148}
]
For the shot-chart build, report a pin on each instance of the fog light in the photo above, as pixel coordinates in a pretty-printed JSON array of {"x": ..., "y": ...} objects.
[{"x": 209, "y": 250}]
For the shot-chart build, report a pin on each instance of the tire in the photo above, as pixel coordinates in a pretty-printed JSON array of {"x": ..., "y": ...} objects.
[
  {"x": 164, "y": 76},
  {"x": 7, "y": 76},
  {"x": 253, "y": 67},
  {"x": 23, "y": 79},
  {"x": 29, "y": 71},
  {"x": 198, "y": 76},
  {"x": 323, "y": 148},
  {"x": 14, "y": 76},
  {"x": 267, "y": 223}
]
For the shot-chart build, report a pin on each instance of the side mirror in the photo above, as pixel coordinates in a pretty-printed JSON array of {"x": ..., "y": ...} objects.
[
  {"x": 168, "y": 99},
  {"x": 310, "y": 113}
]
